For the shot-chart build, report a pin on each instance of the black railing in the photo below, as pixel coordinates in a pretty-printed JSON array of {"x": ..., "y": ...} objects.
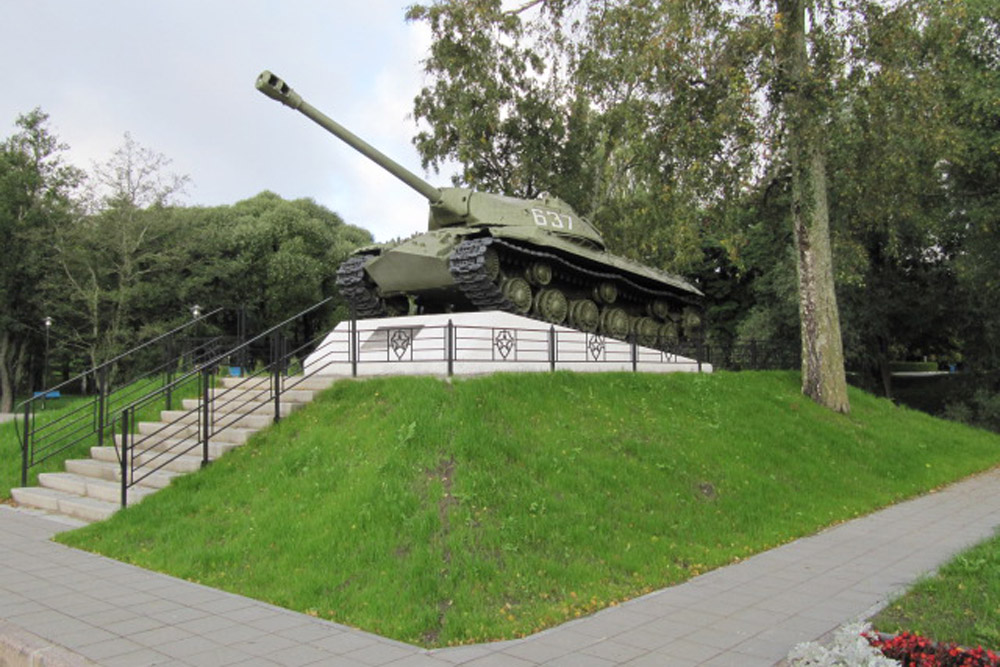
[
  {"x": 118, "y": 382},
  {"x": 452, "y": 347},
  {"x": 754, "y": 355},
  {"x": 218, "y": 407},
  {"x": 455, "y": 347}
]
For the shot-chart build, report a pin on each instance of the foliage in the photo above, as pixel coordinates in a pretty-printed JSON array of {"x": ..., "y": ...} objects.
[
  {"x": 36, "y": 189},
  {"x": 118, "y": 261},
  {"x": 982, "y": 409},
  {"x": 913, "y": 366},
  {"x": 639, "y": 117},
  {"x": 269, "y": 256},
  {"x": 664, "y": 122},
  {"x": 488, "y": 508},
  {"x": 109, "y": 260}
]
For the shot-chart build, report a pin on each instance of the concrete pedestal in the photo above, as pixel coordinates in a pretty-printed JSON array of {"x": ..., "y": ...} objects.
[{"x": 477, "y": 343}]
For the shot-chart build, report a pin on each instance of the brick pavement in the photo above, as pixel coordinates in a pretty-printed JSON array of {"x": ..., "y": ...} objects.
[{"x": 60, "y": 606}]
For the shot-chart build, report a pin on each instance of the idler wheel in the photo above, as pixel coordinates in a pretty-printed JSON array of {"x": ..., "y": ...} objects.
[
  {"x": 518, "y": 292},
  {"x": 551, "y": 305},
  {"x": 539, "y": 273},
  {"x": 614, "y": 323},
  {"x": 605, "y": 293},
  {"x": 491, "y": 264},
  {"x": 646, "y": 331},
  {"x": 659, "y": 309},
  {"x": 584, "y": 315},
  {"x": 668, "y": 334}
]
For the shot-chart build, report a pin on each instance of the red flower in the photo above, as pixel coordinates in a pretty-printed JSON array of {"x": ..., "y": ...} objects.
[{"x": 916, "y": 651}]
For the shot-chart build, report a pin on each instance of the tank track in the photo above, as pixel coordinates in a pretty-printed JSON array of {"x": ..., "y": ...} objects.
[
  {"x": 468, "y": 267},
  {"x": 356, "y": 290},
  {"x": 467, "y": 264}
]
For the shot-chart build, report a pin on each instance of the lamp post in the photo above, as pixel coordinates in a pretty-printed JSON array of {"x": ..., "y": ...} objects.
[
  {"x": 195, "y": 314},
  {"x": 45, "y": 367}
]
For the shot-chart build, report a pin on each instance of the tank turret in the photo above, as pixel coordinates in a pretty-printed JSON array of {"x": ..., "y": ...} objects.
[{"x": 536, "y": 257}]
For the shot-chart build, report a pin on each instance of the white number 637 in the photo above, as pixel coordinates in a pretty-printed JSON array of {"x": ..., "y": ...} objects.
[{"x": 552, "y": 219}]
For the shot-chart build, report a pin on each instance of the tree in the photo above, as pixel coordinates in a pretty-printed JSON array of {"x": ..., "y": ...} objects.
[
  {"x": 661, "y": 111},
  {"x": 36, "y": 200},
  {"x": 805, "y": 109},
  {"x": 126, "y": 243},
  {"x": 641, "y": 118},
  {"x": 270, "y": 256},
  {"x": 968, "y": 54}
]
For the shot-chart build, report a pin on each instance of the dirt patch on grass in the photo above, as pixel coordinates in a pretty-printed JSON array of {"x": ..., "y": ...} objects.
[{"x": 444, "y": 473}]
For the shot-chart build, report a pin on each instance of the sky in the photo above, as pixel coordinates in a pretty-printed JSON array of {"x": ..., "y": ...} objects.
[{"x": 178, "y": 77}]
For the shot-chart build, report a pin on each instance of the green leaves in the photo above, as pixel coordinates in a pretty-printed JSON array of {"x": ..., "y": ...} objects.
[
  {"x": 639, "y": 114},
  {"x": 36, "y": 189}
]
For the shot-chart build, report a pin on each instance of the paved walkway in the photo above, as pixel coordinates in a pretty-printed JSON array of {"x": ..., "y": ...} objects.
[{"x": 86, "y": 607}]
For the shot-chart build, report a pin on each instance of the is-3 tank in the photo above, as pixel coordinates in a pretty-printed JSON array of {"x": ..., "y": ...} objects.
[{"x": 481, "y": 251}]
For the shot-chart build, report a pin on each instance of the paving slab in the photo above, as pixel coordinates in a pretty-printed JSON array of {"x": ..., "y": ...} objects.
[{"x": 60, "y": 606}]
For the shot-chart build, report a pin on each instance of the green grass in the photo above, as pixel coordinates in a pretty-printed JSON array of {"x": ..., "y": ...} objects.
[
  {"x": 959, "y": 604},
  {"x": 10, "y": 449},
  {"x": 79, "y": 414},
  {"x": 490, "y": 508}
]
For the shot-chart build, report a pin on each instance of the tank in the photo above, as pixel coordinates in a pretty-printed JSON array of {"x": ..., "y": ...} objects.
[{"x": 482, "y": 251}]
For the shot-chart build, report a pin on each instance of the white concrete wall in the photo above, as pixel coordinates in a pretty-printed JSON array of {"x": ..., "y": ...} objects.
[{"x": 484, "y": 342}]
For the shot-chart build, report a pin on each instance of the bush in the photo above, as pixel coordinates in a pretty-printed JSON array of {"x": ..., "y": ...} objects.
[{"x": 913, "y": 366}]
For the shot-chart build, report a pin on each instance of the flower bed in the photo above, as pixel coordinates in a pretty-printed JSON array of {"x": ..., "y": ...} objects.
[{"x": 916, "y": 651}]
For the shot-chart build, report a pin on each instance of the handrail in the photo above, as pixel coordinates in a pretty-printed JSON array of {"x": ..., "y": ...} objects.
[
  {"x": 41, "y": 441},
  {"x": 142, "y": 455},
  {"x": 261, "y": 336},
  {"x": 114, "y": 360}
]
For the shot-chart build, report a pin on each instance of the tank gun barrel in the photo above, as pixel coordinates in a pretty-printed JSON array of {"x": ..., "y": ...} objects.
[{"x": 275, "y": 88}]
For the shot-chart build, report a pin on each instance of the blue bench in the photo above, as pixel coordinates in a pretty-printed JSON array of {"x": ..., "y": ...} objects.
[{"x": 47, "y": 394}]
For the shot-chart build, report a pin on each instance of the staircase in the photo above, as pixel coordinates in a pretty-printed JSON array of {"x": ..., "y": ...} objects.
[{"x": 90, "y": 489}]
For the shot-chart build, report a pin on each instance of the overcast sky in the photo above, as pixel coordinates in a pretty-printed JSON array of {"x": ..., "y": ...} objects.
[{"x": 178, "y": 76}]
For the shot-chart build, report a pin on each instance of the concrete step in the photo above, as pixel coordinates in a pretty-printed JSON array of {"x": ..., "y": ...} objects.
[
  {"x": 110, "y": 470},
  {"x": 238, "y": 398},
  {"x": 91, "y": 487},
  {"x": 163, "y": 460},
  {"x": 312, "y": 383},
  {"x": 53, "y": 500},
  {"x": 254, "y": 408},
  {"x": 231, "y": 434},
  {"x": 252, "y": 420},
  {"x": 261, "y": 394},
  {"x": 215, "y": 449}
]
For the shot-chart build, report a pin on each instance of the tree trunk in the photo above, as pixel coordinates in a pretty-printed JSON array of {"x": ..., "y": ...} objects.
[
  {"x": 884, "y": 371},
  {"x": 6, "y": 386},
  {"x": 823, "y": 376}
]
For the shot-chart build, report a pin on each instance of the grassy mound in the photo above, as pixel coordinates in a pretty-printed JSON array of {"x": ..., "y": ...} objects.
[{"x": 489, "y": 508}]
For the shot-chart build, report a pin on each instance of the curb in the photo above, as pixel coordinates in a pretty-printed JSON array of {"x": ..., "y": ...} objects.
[{"x": 20, "y": 648}]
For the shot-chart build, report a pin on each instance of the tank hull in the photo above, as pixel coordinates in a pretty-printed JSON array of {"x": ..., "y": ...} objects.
[{"x": 489, "y": 268}]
